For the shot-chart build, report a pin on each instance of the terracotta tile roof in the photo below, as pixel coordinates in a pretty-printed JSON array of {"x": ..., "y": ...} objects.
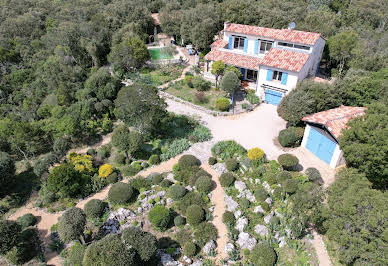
[
  {"x": 285, "y": 59},
  {"x": 335, "y": 119},
  {"x": 234, "y": 59},
  {"x": 219, "y": 44},
  {"x": 295, "y": 36},
  {"x": 155, "y": 16}
]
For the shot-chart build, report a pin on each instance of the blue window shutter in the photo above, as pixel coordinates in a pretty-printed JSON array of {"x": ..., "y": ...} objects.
[
  {"x": 269, "y": 74},
  {"x": 284, "y": 78},
  {"x": 243, "y": 73},
  {"x": 256, "y": 46},
  {"x": 230, "y": 42},
  {"x": 245, "y": 45}
]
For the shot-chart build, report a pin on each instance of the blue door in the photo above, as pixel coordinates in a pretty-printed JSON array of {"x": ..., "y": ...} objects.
[
  {"x": 320, "y": 145},
  {"x": 273, "y": 97}
]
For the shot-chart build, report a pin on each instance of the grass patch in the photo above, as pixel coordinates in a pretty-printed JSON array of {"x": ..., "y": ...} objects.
[
  {"x": 156, "y": 76},
  {"x": 295, "y": 256},
  {"x": 181, "y": 90},
  {"x": 158, "y": 54}
]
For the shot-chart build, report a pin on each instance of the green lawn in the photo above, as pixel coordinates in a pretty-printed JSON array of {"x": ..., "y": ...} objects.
[
  {"x": 157, "y": 54},
  {"x": 186, "y": 93}
]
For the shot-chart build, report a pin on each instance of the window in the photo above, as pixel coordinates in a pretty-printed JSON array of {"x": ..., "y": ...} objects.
[
  {"x": 265, "y": 46},
  {"x": 251, "y": 75},
  {"x": 277, "y": 75},
  {"x": 238, "y": 42},
  {"x": 297, "y": 46}
]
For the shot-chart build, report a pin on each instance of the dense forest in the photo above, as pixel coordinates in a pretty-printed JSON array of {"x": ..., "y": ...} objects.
[{"x": 57, "y": 90}]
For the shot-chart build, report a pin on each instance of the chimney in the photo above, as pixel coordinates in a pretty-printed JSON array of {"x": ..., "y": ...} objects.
[{"x": 226, "y": 23}]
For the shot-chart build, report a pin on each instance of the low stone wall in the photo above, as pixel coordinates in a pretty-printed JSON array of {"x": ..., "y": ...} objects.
[{"x": 203, "y": 109}]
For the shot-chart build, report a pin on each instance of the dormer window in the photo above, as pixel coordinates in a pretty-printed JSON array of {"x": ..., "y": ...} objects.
[
  {"x": 239, "y": 42},
  {"x": 291, "y": 45},
  {"x": 265, "y": 46}
]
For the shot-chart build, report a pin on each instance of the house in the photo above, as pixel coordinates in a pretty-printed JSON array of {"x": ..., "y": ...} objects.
[
  {"x": 272, "y": 61},
  {"x": 323, "y": 130}
]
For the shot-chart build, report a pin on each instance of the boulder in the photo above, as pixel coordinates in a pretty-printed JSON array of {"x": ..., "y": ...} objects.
[
  {"x": 189, "y": 188},
  {"x": 169, "y": 201},
  {"x": 170, "y": 177},
  {"x": 240, "y": 186},
  {"x": 258, "y": 209},
  {"x": 261, "y": 230},
  {"x": 231, "y": 205},
  {"x": 121, "y": 214},
  {"x": 229, "y": 248},
  {"x": 197, "y": 263},
  {"x": 246, "y": 241},
  {"x": 266, "y": 186},
  {"x": 237, "y": 214},
  {"x": 282, "y": 241},
  {"x": 167, "y": 259},
  {"x": 249, "y": 196},
  {"x": 268, "y": 218},
  {"x": 269, "y": 201},
  {"x": 209, "y": 246},
  {"x": 220, "y": 168},
  {"x": 187, "y": 259},
  {"x": 241, "y": 223}
]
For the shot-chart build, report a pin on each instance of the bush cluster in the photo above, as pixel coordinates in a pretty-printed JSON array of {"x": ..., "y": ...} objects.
[
  {"x": 222, "y": 104},
  {"x": 231, "y": 164},
  {"x": 190, "y": 249},
  {"x": 195, "y": 215},
  {"x": 27, "y": 220},
  {"x": 204, "y": 233},
  {"x": 263, "y": 253},
  {"x": 72, "y": 224},
  {"x": 9, "y": 232},
  {"x": 227, "y": 149},
  {"x": 227, "y": 179},
  {"x": 288, "y": 161},
  {"x": 228, "y": 218},
  {"x": 140, "y": 183},
  {"x": 179, "y": 220},
  {"x": 28, "y": 247},
  {"x": 177, "y": 192},
  {"x": 95, "y": 208},
  {"x": 159, "y": 216},
  {"x": 291, "y": 137},
  {"x": 252, "y": 97},
  {"x": 188, "y": 160},
  {"x": 313, "y": 174},
  {"x": 204, "y": 184},
  {"x": 120, "y": 193},
  {"x": 154, "y": 159}
]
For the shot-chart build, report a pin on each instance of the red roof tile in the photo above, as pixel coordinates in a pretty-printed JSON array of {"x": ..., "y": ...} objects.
[
  {"x": 335, "y": 119},
  {"x": 295, "y": 36},
  {"x": 285, "y": 59},
  {"x": 219, "y": 44},
  {"x": 234, "y": 59}
]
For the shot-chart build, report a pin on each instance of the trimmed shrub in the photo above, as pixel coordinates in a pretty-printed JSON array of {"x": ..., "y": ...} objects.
[
  {"x": 227, "y": 179},
  {"x": 190, "y": 249},
  {"x": 265, "y": 206},
  {"x": 231, "y": 164},
  {"x": 228, "y": 218},
  {"x": 313, "y": 174},
  {"x": 195, "y": 215},
  {"x": 255, "y": 154},
  {"x": 227, "y": 149},
  {"x": 165, "y": 183},
  {"x": 95, "y": 208},
  {"x": 143, "y": 242},
  {"x": 212, "y": 161},
  {"x": 105, "y": 170},
  {"x": 204, "y": 184},
  {"x": 9, "y": 233},
  {"x": 283, "y": 176},
  {"x": 222, "y": 104},
  {"x": 177, "y": 192},
  {"x": 27, "y": 220},
  {"x": 140, "y": 183},
  {"x": 188, "y": 160},
  {"x": 189, "y": 199},
  {"x": 263, "y": 254},
  {"x": 112, "y": 178},
  {"x": 278, "y": 193},
  {"x": 271, "y": 178},
  {"x": 179, "y": 220},
  {"x": 245, "y": 203},
  {"x": 28, "y": 246},
  {"x": 75, "y": 255},
  {"x": 104, "y": 151},
  {"x": 290, "y": 186},
  {"x": 120, "y": 158},
  {"x": 288, "y": 161},
  {"x": 120, "y": 193},
  {"x": 157, "y": 179},
  {"x": 108, "y": 251},
  {"x": 290, "y": 137},
  {"x": 71, "y": 225},
  {"x": 154, "y": 159},
  {"x": 275, "y": 220},
  {"x": 261, "y": 194},
  {"x": 159, "y": 216},
  {"x": 204, "y": 233}
]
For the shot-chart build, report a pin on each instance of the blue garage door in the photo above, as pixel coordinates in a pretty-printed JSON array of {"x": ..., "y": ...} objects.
[
  {"x": 273, "y": 97},
  {"x": 320, "y": 145}
]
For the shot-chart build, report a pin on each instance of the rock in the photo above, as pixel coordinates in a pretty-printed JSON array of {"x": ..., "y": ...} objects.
[
  {"x": 240, "y": 186},
  {"x": 279, "y": 214},
  {"x": 241, "y": 223},
  {"x": 167, "y": 259},
  {"x": 170, "y": 177},
  {"x": 231, "y": 205},
  {"x": 268, "y": 218},
  {"x": 169, "y": 201},
  {"x": 257, "y": 181},
  {"x": 229, "y": 248},
  {"x": 261, "y": 230},
  {"x": 269, "y": 201},
  {"x": 282, "y": 241},
  {"x": 121, "y": 214},
  {"x": 161, "y": 202},
  {"x": 189, "y": 188},
  {"x": 266, "y": 186},
  {"x": 144, "y": 164},
  {"x": 220, "y": 168},
  {"x": 111, "y": 226},
  {"x": 209, "y": 246},
  {"x": 251, "y": 180},
  {"x": 246, "y": 241},
  {"x": 249, "y": 196},
  {"x": 258, "y": 209},
  {"x": 237, "y": 214},
  {"x": 187, "y": 259},
  {"x": 140, "y": 210},
  {"x": 211, "y": 209},
  {"x": 197, "y": 263}
]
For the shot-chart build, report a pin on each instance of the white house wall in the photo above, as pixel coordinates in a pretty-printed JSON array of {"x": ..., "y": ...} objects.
[{"x": 292, "y": 80}]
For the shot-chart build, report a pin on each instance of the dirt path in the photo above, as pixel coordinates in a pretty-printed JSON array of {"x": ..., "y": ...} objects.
[
  {"x": 219, "y": 209},
  {"x": 320, "y": 249}
]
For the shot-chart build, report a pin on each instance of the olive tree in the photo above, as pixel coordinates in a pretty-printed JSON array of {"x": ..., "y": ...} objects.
[{"x": 71, "y": 225}]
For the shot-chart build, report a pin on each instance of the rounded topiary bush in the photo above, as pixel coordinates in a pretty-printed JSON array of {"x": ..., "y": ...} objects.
[
  {"x": 287, "y": 138},
  {"x": 204, "y": 184},
  {"x": 283, "y": 176},
  {"x": 195, "y": 214},
  {"x": 189, "y": 249},
  {"x": 177, "y": 192},
  {"x": 278, "y": 193},
  {"x": 228, "y": 218},
  {"x": 95, "y": 208},
  {"x": 245, "y": 203},
  {"x": 179, "y": 220},
  {"x": 159, "y": 216},
  {"x": 288, "y": 161},
  {"x": 275, "y": 220},
  {"x": 231, "y": 164},
  {"x": 188, "y": 160},
  {"x": 212, "y": 161},
  {"x": 313, "y": 174},
  {"x": 290, "y": 186},
  {"x": 112, "y": 178},
  {"x": 261, "y": 194},
  {"x": 154, "y": 159},
  {"x": 263, "y": 253},
  {"x": 143, "y": 242},
  {"x": 227, "y": 179},
  {"x": 204, "y": 233},
  {"x": 165, "y": 183},
  {"x": 157, "y": 179},
  {"x": 120, "y": 193},
  {"x": 271, "y": 178},
  {"x": 255, "y": 154},
  {"x": 27, "y": 220},
  {"x": 222, "y": 104}
]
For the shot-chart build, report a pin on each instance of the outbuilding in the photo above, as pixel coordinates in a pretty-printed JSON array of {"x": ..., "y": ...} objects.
[{"x": 323, "y": 130}]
